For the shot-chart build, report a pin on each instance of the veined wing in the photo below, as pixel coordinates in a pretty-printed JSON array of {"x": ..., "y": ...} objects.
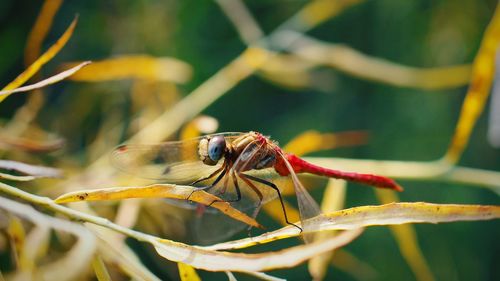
[
  {"x": 173, "y": 162},
  {"x": 308, "y": 208}
]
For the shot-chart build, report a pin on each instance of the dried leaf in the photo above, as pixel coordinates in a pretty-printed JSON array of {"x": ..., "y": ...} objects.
[
  {"x": 77, "y": 258},
  {"x": 187, "y": 273},
  {"x": 333, "y": 200},
  {"x": 388, "y": 214},
  {"x": 135, "y": 67},
  {"x": 479, "y": 89},
  {"x": 240, "y": 262},
  {"x": 406, "y": 237},
  {"x": 51, "y": 80},
  {"x": 312, "y": 141},
  {"x": 30, "y": 145},
  {"x": 355, "y": 63},
  {"x": 40, "y": 30},
  {"x": 157, "y": 191},
  {"x": 30, "y": 170},
  {"x": 100, "y": 270},
  {"x": 17, "y": 235},
  {"x": 16, "y": 178},
  {"x": 46, "y": 57}
]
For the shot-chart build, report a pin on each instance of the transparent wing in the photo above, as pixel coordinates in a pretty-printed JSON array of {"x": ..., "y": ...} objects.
[
  {"x": 308, "y": 208},
  {"x": 172, "y": 162}
]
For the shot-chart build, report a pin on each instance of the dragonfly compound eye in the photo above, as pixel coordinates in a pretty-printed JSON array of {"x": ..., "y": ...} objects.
[{"x": 216, "y": 148}]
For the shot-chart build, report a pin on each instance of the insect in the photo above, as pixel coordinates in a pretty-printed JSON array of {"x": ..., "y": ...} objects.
[{"x": 242, "y": 168}]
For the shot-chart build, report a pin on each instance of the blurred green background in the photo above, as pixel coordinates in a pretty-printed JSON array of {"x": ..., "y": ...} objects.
[{"x": 404, "y": 124}]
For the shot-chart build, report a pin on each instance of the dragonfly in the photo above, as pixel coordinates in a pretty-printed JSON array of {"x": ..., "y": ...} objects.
[{"x": 244, "y": 169}]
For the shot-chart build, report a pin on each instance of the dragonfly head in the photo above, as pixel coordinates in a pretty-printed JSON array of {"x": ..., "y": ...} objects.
[{"x": 211, "y": 149}]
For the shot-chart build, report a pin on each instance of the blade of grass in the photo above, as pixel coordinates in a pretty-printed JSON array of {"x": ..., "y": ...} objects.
[
  {"x": 46, "y": 57},
  {"x": 40, "y": 29},
  {"x": 187, "y": 273},
  {"x": 158, "y": 191},
  {"x": 479, "y": 90},
  {"x": 406, "y": 237},
  {"x": 388, "y": 214},
  {"x": 51, "y": 80}
]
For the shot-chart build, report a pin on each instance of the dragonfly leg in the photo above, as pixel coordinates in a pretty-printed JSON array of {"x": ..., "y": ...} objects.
[
  {"x": 257, "y": 191},
  {"x": 216, "y": 181},
  {"x": 273, "y": 186},
  {"x": 236, "y": 187},
  {"x": 209, "y": 176}
]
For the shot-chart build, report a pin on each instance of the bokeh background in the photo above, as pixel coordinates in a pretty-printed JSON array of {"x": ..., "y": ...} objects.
[{"x": 404, "y": 123}]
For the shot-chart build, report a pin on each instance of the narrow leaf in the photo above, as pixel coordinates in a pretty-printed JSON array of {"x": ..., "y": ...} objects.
[
  {"x": 158, "y": 191},
  {"x": 51, "y": 80},
  {"x": 388, "y": 214}
]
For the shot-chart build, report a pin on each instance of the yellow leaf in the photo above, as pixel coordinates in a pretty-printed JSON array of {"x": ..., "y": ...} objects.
[
  {"x": 17, "y": 234},
  {"x": 187, "y": 273},
  {"x": 388, "y": 214},
  {"x": 40, "y": 30},
  {"x": 100, "y": 270},
  {"x": 201, "y": 258},
  {"x": 406, "y": 237},
  {"x": 46, "y": 57},
  {"x": 333, "y": 200},
  {"x": 312, "y": 141},
  {"x": 158, "y": 191},
  {"x": 479, "y": 89},
  {"x": 136, "y": 67},
  {"x": 51, "y": 80}
]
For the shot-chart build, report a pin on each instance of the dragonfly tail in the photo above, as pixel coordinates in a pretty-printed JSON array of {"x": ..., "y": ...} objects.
[{"x": 301, "y": 166}]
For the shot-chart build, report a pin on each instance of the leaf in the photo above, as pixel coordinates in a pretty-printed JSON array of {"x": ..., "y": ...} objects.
[
  {"x": 30, "y": 145},
  {"x": 135, "y": 67},
  {"x": 40, "y": 30},
  {"x": 17, "y": 234},
  {"x": 158, "y": 191},
  {"x": 388, "y": 214},
  {"x": 42, "y": 60},
  {"x": 201, "y": 258},
  {"x": 312, "y": 141},
  {"x": 333, "y": 200},
  {"x": 479, "y": 89},
  {"x": 406, "y": 237},
  {"x": 51, "y": 80},
  {"x": 30, "y": 170},
  {"x": 77, "y": 258},
  {"x": 355, "y": 63},
  {"x": 187, "y": 273},
  {"x": 100, "y": 270},
  {"x": 16, "y": 178}
]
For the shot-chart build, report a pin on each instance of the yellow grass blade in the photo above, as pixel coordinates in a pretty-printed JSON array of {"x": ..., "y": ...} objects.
[
  {"x": 40, "y": 29},
  {"x": 187, "y": 273},
  {"x": 357, "y": 64},
  {"x": 46, "y": 57},
  {"x": 240, "y": 262},
  {"x": 479, "y": 89},
  {"x": 135, "y": 67},
  {"x": 158, "y": 191},
  {"x": 388, "y": 214},
  {"x": 333, "y": 200},
  {"x": 101, "y": 273},
  {"x": 311, "y": 141},
  {"x": 29, "y": 170},
  {"x": 406, "y": 237},
  {"x": 51, "y": 80}
]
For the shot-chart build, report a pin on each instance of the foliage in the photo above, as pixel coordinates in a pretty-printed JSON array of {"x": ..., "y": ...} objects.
[{"x": 176, "y": 77}]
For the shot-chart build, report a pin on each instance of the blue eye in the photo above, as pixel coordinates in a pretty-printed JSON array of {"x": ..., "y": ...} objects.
[{"x": 216, "y": 148}]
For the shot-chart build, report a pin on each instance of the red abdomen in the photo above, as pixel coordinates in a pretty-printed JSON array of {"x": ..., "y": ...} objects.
[{"x": 301, "y": 166}]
